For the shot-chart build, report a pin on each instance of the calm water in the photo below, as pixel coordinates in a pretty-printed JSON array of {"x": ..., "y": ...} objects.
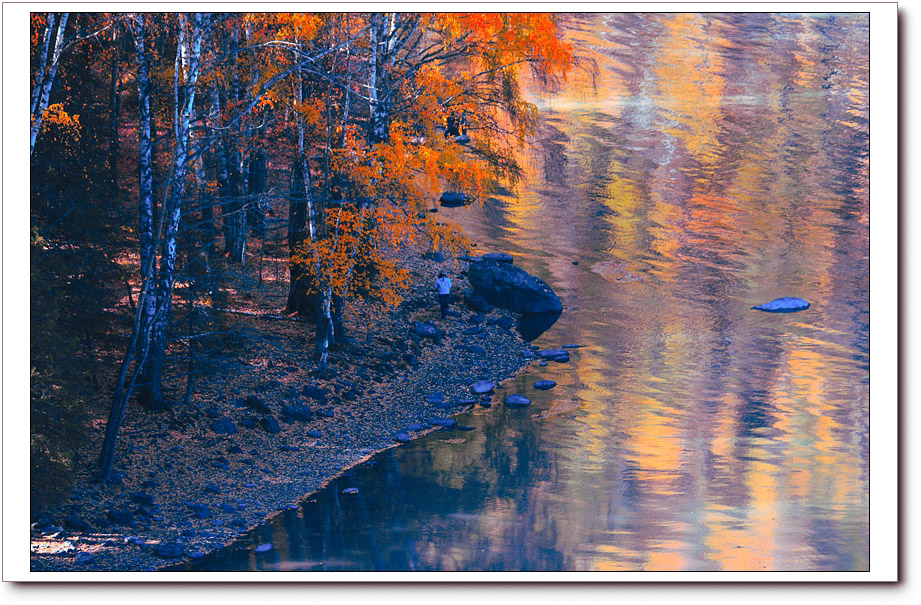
[{"x": 720, "y": 161}]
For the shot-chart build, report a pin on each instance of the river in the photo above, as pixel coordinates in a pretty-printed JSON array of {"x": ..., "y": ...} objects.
[{"x": 717, "y": 161}]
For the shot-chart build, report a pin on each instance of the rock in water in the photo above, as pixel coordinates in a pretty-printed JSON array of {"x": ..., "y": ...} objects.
[
  {"x": 787, "y": 304},
  {"x": 544, "y": 385},
  {"x": 264, "y": 548},
  {"x": 453, "y": 199},
  {"x": 443, "y": 422},
  {"x": 481, "y": 387},
  {"x": 517, "y": 401},
  {"x": 499, "y": 257},
  {"x": 509, "y": 287},
  {"x": 560, "y": 355}
]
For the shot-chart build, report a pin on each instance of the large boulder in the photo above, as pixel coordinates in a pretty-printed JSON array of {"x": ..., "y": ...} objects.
[{"x": 509, "y": 287}]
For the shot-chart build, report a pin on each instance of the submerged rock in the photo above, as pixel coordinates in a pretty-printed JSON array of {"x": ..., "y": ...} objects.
[
  {"x": 560, "y": 355},
  {"x": 787, "y": 304},
  {"x": 517, "y": 401},
  {"x": 452, "y": 199},
  {"x": 544, "y": 385},
  {"x": 443, "y": 422},
  {"x": 263, "y": 548},
  {"x": 506, "y": 286}
]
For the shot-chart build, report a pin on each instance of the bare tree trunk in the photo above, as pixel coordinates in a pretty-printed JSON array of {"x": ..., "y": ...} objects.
[
  {"x": 45, "y": 79},
  {"x": 184, "y": 97}
]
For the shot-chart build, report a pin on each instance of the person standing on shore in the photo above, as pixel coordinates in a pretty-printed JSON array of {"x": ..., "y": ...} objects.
[{"x": 443, "y": 285}]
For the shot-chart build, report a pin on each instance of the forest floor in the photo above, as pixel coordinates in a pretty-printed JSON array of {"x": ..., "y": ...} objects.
[{"x": 183, "y": 490}]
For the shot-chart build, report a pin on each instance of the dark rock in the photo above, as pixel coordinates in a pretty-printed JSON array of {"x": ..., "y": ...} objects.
[
  {"x": 542, "y": 364},
  {"x": 212, "y": 412},
  {"x": 314, "y": 392},
  {"x": 436, "y": 256},
  {"x": 257, "y": 404},
  {"x": 410, "y": 359},
  {"x": 544, "y": 385},
  {"x": 169, "y": 550},
  {"x": 435, "y": 398},
  {"x": 402, "y": 437},
  {"x": 326, "y": 413},
  {"x": 467, "y": 401},
  {"x": 121, "y": 517},
  {"x": 224, "y": 426},
  {"x": 443, "y": 422},
  {"x": 76, "y": 523},
  {"x": 476, "y": 350},
  {"x": 464, "y": 427},
  {"x": 314, "y": 434},
  {"x": 227, "y": 508},
  {"x": 211, "y": 488},
  {"x": 509, "y": 287},
  {"x": 453, "y": 199},
  {"x": 499, "y": 257},
  {"x": 473, "y": 330},
  {"x": 300, "y": 413},
  {"x": 270, "y": 424},
  {"x": 560, "y": 355},
  {"x": 572, "y": 346},
  {"x": 234, "y": 449},
  {"x": 786, "y": 304},
  {"x": 84, "y": 558},
  {"x": 575, "y": 262},
  {"x": 517, "y": 401},
  {"x": 415, "y": 427},
  {"x": 248, "y": 422},
  {"x": 427, "y": 330},
  {"x": 239, "y": 403},
  {"x": 505, "y": 322},
  {"x": 476, "y": 318},
  {"x": 290, "y": 448},
  {"x": 196, "y": 554},
  {"x": 350, "y": 490},
  {"x": 481, "y": 387},
  {"x": 477, "y": 302}
]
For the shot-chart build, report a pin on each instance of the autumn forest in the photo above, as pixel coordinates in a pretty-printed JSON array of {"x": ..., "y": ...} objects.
[{"x": 168, "y": 150}]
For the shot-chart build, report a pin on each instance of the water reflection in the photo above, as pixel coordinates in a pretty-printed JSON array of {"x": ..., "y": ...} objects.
[{"x": 719, "y": 162}]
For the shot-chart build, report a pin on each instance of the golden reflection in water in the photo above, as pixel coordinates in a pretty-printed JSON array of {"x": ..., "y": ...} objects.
[
  {"x": 690, "y": 85},
  {"x": 728, "y": 181}
]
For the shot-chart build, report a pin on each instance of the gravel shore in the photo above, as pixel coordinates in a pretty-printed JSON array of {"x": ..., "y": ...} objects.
[{"x": 185, "y": 489}]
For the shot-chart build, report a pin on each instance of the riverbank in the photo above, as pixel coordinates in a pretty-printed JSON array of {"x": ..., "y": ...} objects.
[{"x": 256, "y": 440}]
